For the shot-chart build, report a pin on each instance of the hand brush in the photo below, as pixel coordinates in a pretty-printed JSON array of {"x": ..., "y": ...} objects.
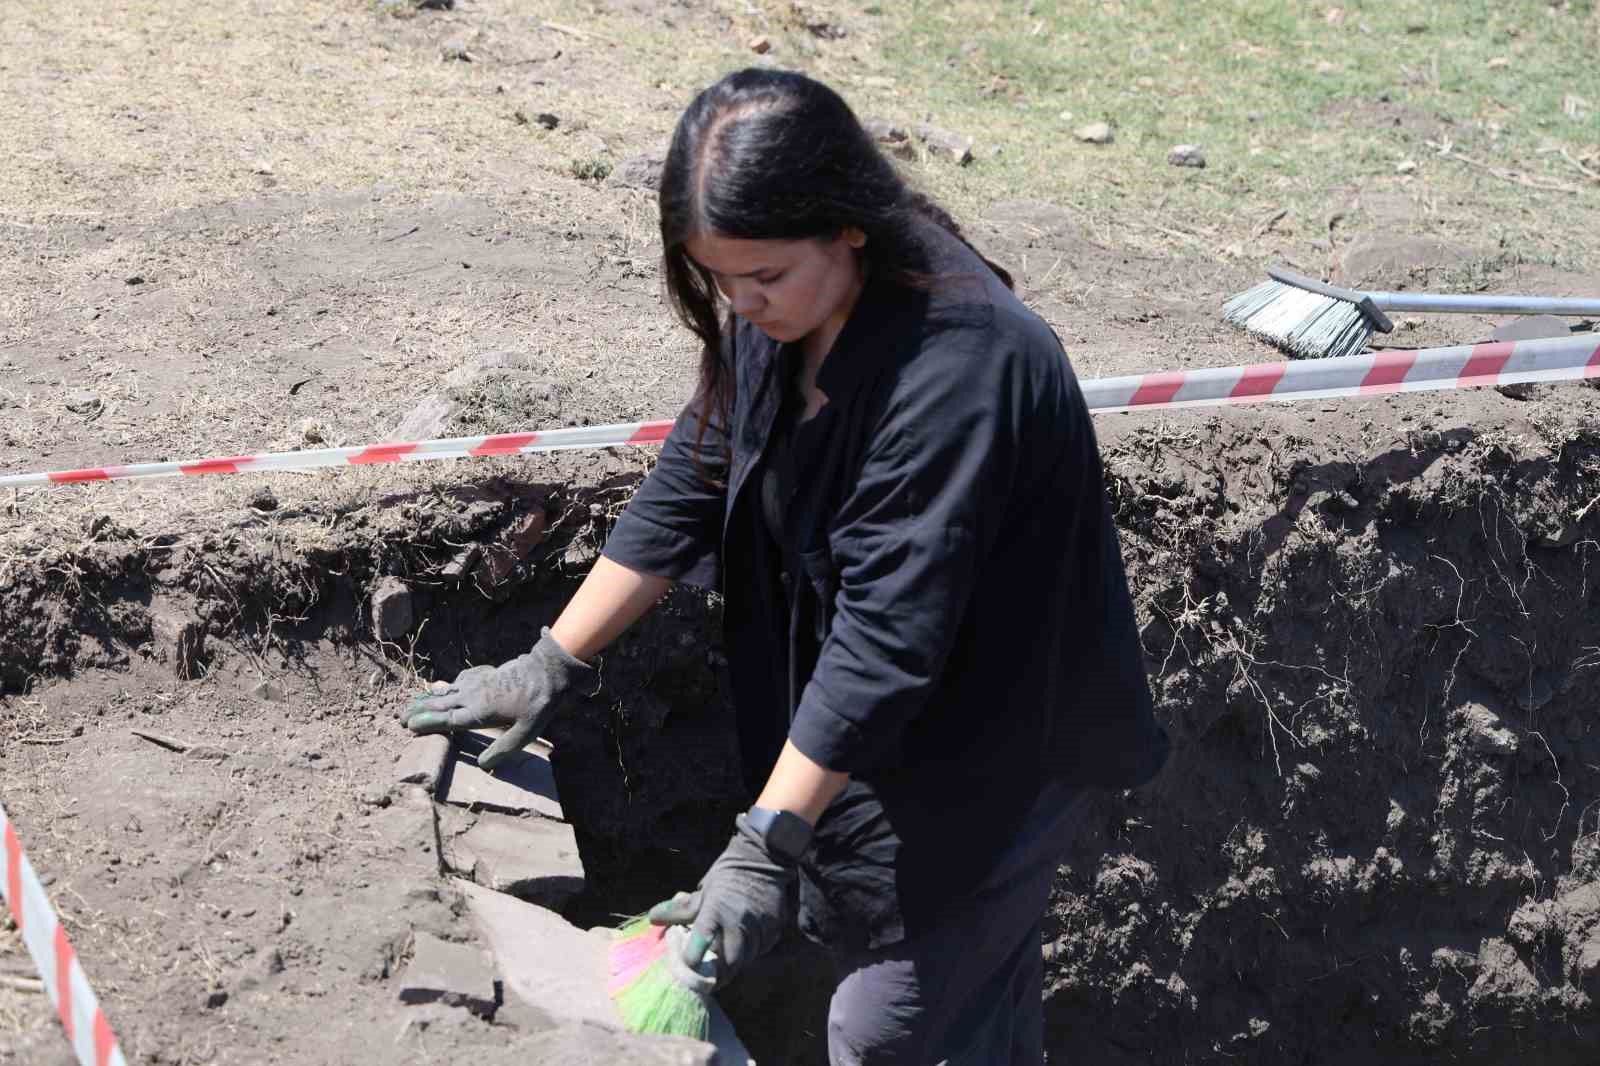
[
  {"x": 1310, "y": 319},
  {"x": 654, "y": 989}
]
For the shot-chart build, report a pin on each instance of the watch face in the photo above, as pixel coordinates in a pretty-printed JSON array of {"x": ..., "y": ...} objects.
[{"x": 787, "y": 835}]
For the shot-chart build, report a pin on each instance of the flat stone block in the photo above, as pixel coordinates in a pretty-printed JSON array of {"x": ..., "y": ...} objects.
[
  {"x": 560, "y": 969},
  {"x": 523, "y": 784},
  {"x": 422, "y": 761},
  {"x": 532, "y": 858},
  {"x": 460, "y": 975},
  {"x": 406, "y": 831}
]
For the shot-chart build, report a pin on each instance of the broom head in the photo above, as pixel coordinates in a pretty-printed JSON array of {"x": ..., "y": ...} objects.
[
  {"x": 1306, "y": 318},
  {"x": 654, "y": 990}
]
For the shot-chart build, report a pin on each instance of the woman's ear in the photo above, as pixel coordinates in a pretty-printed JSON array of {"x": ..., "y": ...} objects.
[{"x": 854, "y": 237}]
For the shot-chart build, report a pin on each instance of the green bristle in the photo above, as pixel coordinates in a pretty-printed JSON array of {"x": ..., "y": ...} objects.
[{"x": 657, "y": 1003}]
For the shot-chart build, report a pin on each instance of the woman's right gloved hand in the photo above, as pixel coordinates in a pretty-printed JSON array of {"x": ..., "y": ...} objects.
[{"x": 522, "y": 696}]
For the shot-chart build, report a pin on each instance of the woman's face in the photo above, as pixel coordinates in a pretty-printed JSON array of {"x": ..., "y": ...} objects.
[{"x": 789, "y": 290}]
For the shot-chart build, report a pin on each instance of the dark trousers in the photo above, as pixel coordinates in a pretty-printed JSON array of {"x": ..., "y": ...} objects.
[{"x": 969, "y": 992}]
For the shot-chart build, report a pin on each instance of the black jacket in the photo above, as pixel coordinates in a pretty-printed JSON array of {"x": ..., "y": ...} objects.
[{"x": 960, "y": 630}]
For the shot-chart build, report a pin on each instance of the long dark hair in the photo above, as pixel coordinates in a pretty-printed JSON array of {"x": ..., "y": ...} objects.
[{"x": 775, "y": 155}]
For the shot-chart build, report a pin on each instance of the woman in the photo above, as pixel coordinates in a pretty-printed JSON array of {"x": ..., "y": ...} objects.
[{"x": 891, "y": 475}]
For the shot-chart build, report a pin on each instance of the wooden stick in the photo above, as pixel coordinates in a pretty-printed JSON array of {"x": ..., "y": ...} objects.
[
  {"x": 170, "y": 743},
  {"x": 21, "y": 984}
]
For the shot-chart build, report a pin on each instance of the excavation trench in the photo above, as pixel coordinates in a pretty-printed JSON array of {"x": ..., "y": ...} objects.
[{"x": 1377, "y": 840}]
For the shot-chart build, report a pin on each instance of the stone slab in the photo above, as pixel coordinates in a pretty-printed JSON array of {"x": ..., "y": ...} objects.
[
  {"x": 422, "y": 761},
  {"x": 460, "y": 975},
  {"x": 558, "y": 968},
  {"x": 523, "y": 784},
  {"x": 406, "y": 832},
  {"x": 532, "y": 858}
]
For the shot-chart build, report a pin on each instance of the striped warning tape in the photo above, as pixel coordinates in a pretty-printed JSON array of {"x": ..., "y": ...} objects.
[
  {"x": 1464, "y": 366},
  {"x": 85, "y": 1023}
]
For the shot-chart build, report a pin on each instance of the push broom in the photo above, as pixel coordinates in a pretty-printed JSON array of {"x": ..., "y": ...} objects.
[
  {"x": 1311, "y": 319},
  {"x": 654, "y": 989}
]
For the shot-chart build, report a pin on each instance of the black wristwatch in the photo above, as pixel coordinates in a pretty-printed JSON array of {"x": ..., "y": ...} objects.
[{"x": 785, "y": 834}]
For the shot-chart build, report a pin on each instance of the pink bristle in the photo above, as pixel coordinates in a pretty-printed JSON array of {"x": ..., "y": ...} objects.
[{"x": 630, "y": 956}]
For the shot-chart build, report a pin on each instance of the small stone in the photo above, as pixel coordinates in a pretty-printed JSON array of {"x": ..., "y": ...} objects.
[
  {"x": 458, "y": 975},
  {"x": 1499, "y": 63},
  {"x": 375, "y": 796},
  {"x": 269, "y": 691},
  {"x": 547, "y": 120},
  {"x": 890, "y": 137},
  {"x": 760, "y": 45},
  {"x": 942, "y": 142},
  {"x": 134, "y": 279},
  {"x": 1186, "y": 155},
  {"x": 457, "y": 50},
  {"x": 311, "y": 432},
  {"x": 83, "y": 402},
  {"x": 638, "y": 172},
  {"x": 392, "y": 611},
  {"x": 262, "y": 499},
  {"x": 1094, "y": 133},
  {"x": 216, "y": 998},
  {"x": 1406, "y": 166}
]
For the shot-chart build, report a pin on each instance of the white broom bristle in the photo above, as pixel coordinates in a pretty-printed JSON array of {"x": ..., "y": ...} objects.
[{"x": 1307, "y": 325}]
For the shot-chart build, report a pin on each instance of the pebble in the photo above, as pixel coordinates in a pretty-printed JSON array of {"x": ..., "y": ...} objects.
[
  {"x": 1406, "y": 166},
  {"x": 760, "y": 45},
  {"x": 1186, "y": 155},
  {"x": 269, "y": 691},
  {"x": 953, "y": 146},
  {"x": 83, "y": 402},
  {"x": 1094, "y": 133}
]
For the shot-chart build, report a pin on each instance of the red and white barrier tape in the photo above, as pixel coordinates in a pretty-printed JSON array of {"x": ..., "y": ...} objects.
[
  {"x": 46, "y": 938},
  {"x": 1464, "y": 366}
]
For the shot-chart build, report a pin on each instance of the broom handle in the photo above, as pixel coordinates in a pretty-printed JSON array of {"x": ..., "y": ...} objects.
[{"x": 1506, "y": 305}]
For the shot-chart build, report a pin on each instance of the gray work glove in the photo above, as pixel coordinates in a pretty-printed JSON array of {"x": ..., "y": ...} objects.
[
  {"x": 743, "y": 904},
  {"x": 522, "y": 695}
]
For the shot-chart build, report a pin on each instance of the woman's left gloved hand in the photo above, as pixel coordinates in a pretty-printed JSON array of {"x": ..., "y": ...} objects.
[{"x": 741, "y": 908}]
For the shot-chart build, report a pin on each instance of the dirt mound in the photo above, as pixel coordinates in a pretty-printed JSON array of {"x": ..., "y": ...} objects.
[{"x": 1376, "y": 842}]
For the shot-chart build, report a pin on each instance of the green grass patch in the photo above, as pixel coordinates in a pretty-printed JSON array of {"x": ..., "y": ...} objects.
[{"x": 1291, "y": 102}]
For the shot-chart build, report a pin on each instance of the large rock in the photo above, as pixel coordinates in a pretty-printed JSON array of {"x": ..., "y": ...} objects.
[
  {"x": 535, "y": 859},
  {"x": 460, "y": 975},
  {"x": 422, "y": 761},
  {"x": 561, "y": 969},
  {"x": 523, "y": 784}
]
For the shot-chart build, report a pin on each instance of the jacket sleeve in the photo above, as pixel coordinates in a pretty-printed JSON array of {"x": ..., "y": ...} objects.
[
  {"x": 672, "y": 527},
  {"x": 907, "y": 545}
]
